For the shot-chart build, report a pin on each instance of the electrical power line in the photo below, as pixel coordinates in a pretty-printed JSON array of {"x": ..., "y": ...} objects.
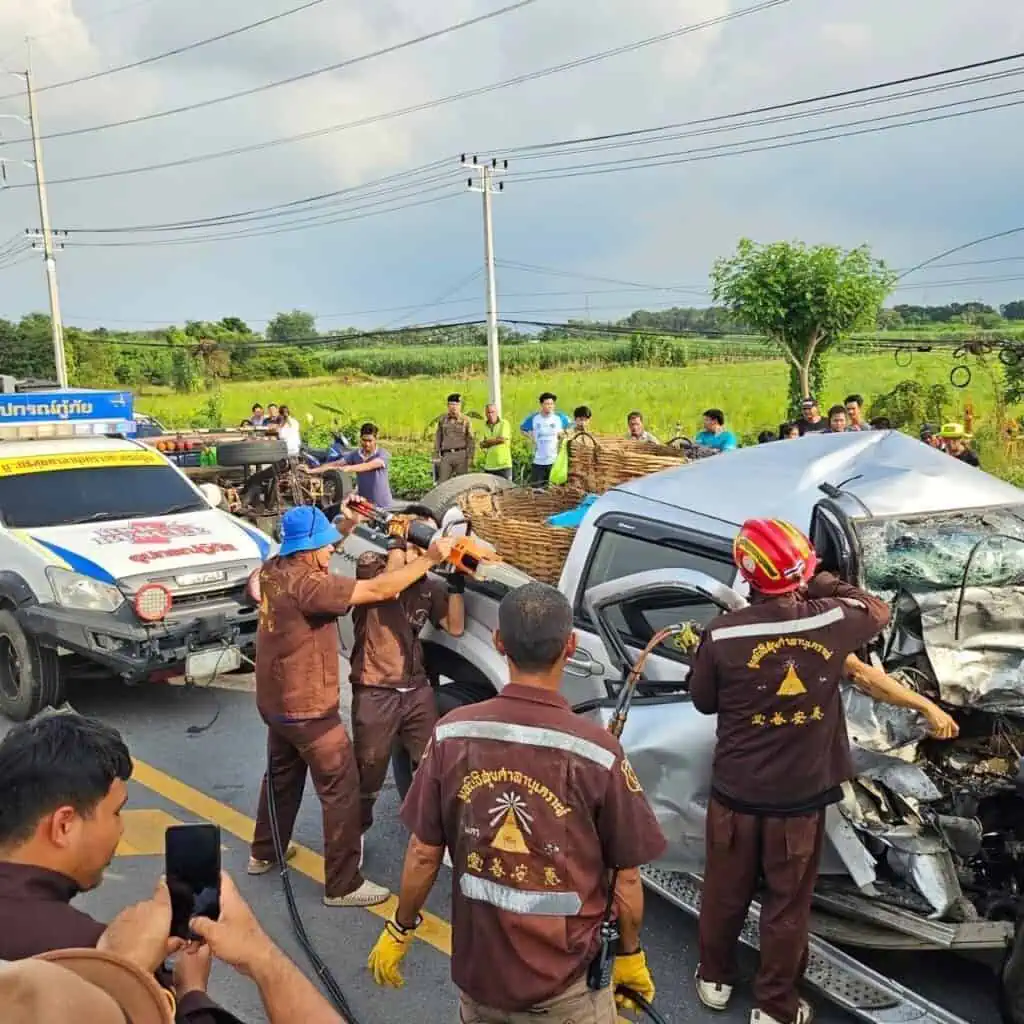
[
  {"x": 395, "y": 184},
  {"x": 313, "y": 222},
  {"x": 960, "y": 248},
  {"x": 397, "y": 178},
  {"x": 304, "y": 76},
  {"x": 765, "y": 143},
  {"x": 171, "y": 53},
  {"x": 419, "y": 107},
  {"x": 772, "y": 108}
]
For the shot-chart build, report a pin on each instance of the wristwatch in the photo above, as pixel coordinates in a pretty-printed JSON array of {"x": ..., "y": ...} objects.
[{"x": 395, "y": 544}]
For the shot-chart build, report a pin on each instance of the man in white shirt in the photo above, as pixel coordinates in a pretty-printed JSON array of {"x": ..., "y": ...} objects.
[
  {"x": 289, "y": 432},
  {"x": 545, "y": 429}
]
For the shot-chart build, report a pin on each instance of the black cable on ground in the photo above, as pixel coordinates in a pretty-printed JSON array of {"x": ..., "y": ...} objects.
[
  {"x": 645, "y": 1007},
  {"x": 327, "y": 980}
]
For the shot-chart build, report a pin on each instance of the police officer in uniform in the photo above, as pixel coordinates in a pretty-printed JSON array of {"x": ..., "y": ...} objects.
[
  {"x": 453, "y": 442},
  {"x": 771, "y": 673},
  {"x": 536, "y": 807},
  {"x": 297, "y": 692}
]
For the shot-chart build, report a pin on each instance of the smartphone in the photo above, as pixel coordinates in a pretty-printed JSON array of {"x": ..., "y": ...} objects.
[{"x": 192, "y": 866}]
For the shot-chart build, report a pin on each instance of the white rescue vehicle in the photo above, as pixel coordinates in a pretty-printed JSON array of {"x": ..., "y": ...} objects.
[{"x": 111, "y": 560}]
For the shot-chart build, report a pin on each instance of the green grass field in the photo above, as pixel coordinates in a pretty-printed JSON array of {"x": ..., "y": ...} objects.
[{"x": 753, "y": 394}]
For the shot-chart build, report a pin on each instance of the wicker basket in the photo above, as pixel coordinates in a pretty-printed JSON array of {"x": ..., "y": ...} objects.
[
  {"x": 598, "y": 463},
  {"x": 515, "y": 522}
]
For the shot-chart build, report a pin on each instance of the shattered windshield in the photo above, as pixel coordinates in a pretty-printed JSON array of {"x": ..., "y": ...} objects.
[{"x": 931, "y": 552}]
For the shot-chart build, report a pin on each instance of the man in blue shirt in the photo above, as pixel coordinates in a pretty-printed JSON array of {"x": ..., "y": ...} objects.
[
  {"x": 714, "y": 434},
  {"x": 545, "y": 430},
  {"x": 370, "y": 464}
]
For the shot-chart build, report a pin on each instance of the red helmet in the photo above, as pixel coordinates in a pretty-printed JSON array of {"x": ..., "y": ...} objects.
[{"x": 773, "y": 556}]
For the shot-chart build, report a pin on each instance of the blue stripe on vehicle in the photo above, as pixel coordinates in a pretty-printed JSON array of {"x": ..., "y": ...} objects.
[
  {"x": 258, "y": 539},
  {"x": 85, "y": 566}
]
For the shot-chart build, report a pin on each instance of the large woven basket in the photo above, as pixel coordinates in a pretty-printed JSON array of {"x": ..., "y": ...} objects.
[
  {"x": 598, "y": 463},
  {"x": 515, "y": 522}
]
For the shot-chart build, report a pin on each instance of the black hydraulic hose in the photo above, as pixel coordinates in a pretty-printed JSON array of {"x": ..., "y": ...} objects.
[
  {"x": 330, "y": 983},
  {"x": 645, "y": 1007}
]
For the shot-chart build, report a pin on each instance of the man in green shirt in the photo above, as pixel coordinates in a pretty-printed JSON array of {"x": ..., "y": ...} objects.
[{"x": 497, "y": 444}]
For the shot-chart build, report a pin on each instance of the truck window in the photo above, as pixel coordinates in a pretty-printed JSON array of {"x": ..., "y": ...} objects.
[
  {"x": 619, "y": 554},
  {"x": 94, "y": 495}
]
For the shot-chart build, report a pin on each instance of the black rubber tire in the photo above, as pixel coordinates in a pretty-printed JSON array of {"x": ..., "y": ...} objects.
[
  {"x": 251, "y": 453},
  {"x": 37, "y": 682},
  {"x": 337, "y": 486},
  {"x": 445, "y": 496}
]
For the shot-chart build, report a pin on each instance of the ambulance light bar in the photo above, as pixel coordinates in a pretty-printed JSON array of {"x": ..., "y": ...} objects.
[
  {"x": 49, "y": 415},
  {"x": 51, "y": 431}
]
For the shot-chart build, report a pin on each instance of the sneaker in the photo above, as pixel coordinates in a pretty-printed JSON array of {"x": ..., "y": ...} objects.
[
  {"x": 804, "y": 1015},
  {"x": 369, "y": 894},
  {"x": 713, "y": 994},
  {"x": 261, "y": 867}
]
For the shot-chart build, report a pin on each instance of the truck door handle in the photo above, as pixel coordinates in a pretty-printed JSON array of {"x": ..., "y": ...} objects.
[{"x": 582, "y": 664}]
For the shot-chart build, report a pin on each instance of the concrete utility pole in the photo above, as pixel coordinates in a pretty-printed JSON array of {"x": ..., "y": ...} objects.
[
  {"x": 56, "y": 322},
  {"x": 486, "y": 186}
]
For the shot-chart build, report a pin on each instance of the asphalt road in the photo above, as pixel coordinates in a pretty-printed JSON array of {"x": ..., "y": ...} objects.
[{"x": 214, "y": 775}]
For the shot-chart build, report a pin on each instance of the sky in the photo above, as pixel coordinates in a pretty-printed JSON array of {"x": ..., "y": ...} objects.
[{"x": 410, "y": 250}]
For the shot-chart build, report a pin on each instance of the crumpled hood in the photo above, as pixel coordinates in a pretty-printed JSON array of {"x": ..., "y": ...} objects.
[{"x": 111, "y": 551}]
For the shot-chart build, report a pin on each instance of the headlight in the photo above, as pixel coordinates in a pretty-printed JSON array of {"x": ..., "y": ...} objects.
[{"x": 72, "y": 590}]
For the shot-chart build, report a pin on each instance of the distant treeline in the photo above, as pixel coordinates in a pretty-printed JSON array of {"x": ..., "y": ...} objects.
[{"x": 200, "y": 353}]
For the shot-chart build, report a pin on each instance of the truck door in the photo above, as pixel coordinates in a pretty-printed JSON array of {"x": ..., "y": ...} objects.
[
  {"x": 623, "y": 546},
  {"x": 669, "y": 743},
  {"x": 835, "y": 541}
]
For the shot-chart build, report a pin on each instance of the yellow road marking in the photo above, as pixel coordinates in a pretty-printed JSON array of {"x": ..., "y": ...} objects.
[
  {"x": 434, "y": 931},
  {"x": 144, "y": 833}
]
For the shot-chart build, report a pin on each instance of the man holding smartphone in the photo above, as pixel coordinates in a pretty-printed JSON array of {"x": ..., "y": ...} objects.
[{"x": 298, "y": 689}]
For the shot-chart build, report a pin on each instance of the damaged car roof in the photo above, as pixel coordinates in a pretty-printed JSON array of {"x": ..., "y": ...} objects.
[{"x": 896, "y": 475}]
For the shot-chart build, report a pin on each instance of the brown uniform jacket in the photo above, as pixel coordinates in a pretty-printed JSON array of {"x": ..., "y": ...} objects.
[
  {"x": 297, "y": 644},
  {"x": 453, "y": 435},
  {"x": 536, "y": 805},
  {"x": 36, "y": 917},
  {"x": 386, "y": 649},
  {"x": 771, "y": 672}
]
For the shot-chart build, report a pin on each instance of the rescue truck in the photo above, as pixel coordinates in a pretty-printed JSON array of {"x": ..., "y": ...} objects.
[{"x": 112, "y": 562}]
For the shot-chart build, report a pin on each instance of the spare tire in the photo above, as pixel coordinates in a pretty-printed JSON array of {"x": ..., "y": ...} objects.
[
  {"x": 251, "y": 453},
  {"x": 445, "y": 496},
  {"x": 338, "y": 485}
]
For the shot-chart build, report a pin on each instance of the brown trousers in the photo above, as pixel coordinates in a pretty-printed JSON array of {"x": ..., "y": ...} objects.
[
  {"x": 380, "y": 714},
  {"x": 453, "y": 464},
  {"x": 322, "y": 746},
  {"x": 742, "y": 850},
  {"x": 576, "y": 1005}
]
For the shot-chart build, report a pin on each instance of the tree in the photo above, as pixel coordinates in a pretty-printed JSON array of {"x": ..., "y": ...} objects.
[
  {"x": 1014, "y": 310},
  {"x": 233, "y": 325},
  {"x": 292, "y": 326},
  {"x": 803, "y": 298}
]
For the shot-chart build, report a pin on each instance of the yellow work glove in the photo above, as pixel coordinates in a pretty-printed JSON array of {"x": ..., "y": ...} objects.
[
  {"x": 387, "y": 955},
  {"x": 632, "y": 971}
]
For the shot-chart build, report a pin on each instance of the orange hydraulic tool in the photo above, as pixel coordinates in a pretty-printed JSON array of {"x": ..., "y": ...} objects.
[{"x": 470, "y": 556}]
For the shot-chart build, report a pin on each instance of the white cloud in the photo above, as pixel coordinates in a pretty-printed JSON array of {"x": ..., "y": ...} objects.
[{"x": 908, "y": 192}]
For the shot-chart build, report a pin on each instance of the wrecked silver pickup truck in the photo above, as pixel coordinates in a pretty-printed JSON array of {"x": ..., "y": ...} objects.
[{"x": 926, "y": 851}]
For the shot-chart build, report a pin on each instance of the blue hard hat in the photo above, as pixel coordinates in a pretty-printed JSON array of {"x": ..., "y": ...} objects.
[{"x": 306, "y": 528}]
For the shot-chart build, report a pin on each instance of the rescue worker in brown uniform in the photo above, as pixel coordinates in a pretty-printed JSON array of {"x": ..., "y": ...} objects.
[
  {"x": 391, "y": 695},
  {"x": 453, "y": 443},
  {"x": 771, "y": 673},
  {"x": 536, "y": 806},
  {"x": 297, "y": 692}
]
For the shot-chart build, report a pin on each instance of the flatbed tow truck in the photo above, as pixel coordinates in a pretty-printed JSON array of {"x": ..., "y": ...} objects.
[{"x": 924, "y": 851}]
